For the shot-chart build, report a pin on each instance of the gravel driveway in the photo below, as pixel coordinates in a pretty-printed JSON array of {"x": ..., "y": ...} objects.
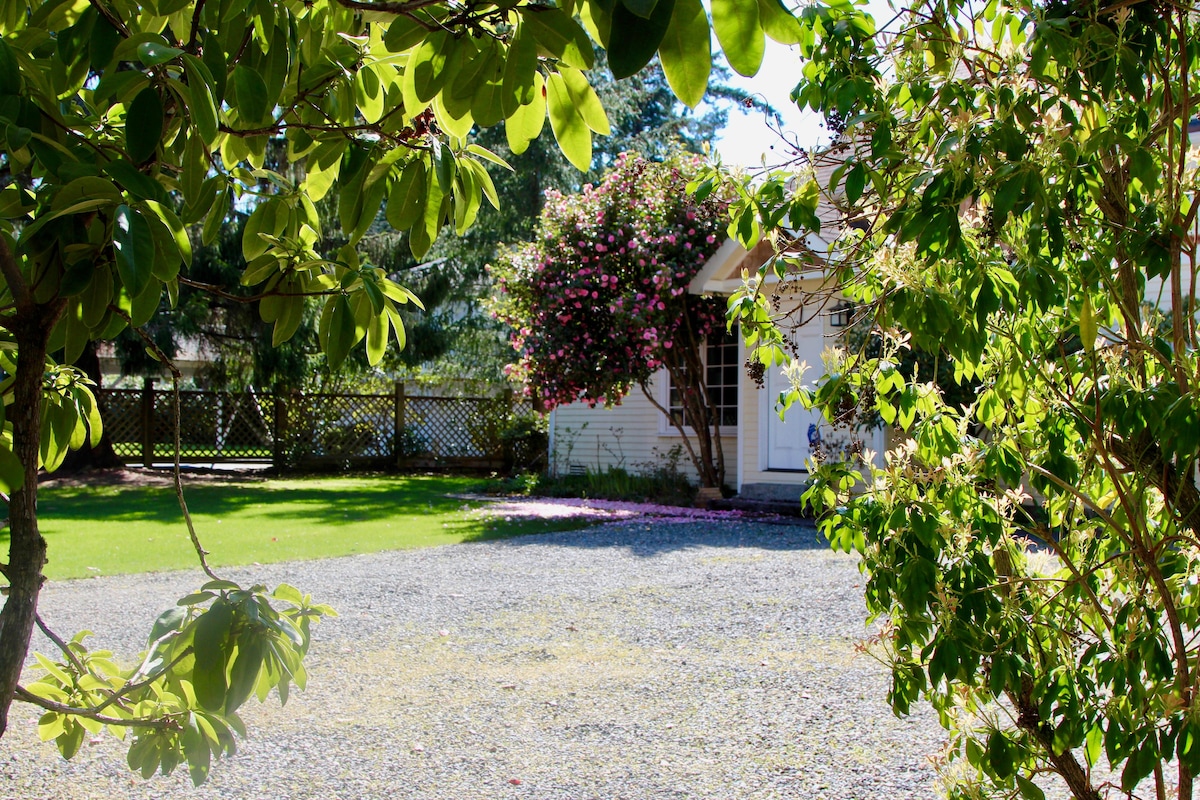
[{"x": 687, "y": 659}]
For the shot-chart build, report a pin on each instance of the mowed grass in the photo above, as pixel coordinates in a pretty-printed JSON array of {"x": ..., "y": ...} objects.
[{"x": 107, "y": 530}]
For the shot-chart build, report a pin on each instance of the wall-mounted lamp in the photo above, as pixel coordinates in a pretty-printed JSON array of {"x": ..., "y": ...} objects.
[{"x": 839, "y": 315}]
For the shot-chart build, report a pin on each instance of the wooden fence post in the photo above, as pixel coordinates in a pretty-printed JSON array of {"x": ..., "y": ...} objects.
[
  {"x": 505, "y": 445},
  {"x": 278, "y": 448},
  {"x": 148, "y": 422},
  {"x": 398, "y": 424}
]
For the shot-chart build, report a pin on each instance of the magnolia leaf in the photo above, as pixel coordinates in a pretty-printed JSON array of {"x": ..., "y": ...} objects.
[
  {"x": 779, "y": 23},
  {"x": 10, "y": 71},
  {"x": 427, "y": 64},
  {"x": 559, "y": 35},
  {"x": 526, "y": 124},
  {"x": 586, "y": 100},
  {"x": 143, "y": 306},
  {"x": 640, "y": 8},
  {"x": 1089, "y": 328},
  {"x": 134, "y": 245},
  {"x": 251, "y": 95},
  {"x": 143, "y": 125},
  {"x": 406, "y": 202},
  {"x": 209, "y": 645},
  {"x": 342, "y": 331},
  {"x": 12, "y": 474},
  {"x": 151, "y": 54},
  {"x": 686, "y": 52},
  {"x": 639, "y": 39},
  {"x": 377, "y": 337},
  {"x": 740, "y": 32},
  {"x": 519, "y": 69},
  {"x": 203, "y": 106},
  {"x": 570, "y": 130}
]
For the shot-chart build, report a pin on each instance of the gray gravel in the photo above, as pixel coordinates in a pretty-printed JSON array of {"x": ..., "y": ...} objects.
[{"x": 633, "y": 660}]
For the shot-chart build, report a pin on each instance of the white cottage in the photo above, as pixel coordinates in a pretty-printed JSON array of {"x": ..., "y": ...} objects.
[{"x": 766, "y": 457}]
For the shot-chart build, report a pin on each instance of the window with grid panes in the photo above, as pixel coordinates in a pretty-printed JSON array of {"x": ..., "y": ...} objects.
[{"x": 721, "y": 378}]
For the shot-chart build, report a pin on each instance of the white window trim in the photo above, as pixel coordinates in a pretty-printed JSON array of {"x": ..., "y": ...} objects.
[{"x": 662, "y": 393}]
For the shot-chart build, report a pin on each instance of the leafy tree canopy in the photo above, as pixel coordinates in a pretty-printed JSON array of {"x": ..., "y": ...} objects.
[
  {"x": 126, "y": 122},
  {"x": 1014, "y": 192},
  {"x": 598, "y": 302}
]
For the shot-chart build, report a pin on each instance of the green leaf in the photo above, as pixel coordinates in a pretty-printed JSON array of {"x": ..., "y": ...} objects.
[
  {"x": 10, "y": 71},
  {"x": 203, "y": 107},
  {"x": 208, "y": 675},
  {"x": 143, "y": 306},
  {"x": 134, "y": 246},
  {"x": 342, "y": 330},
  {"x": 570, "y": 131},
  {"x": 216, "y": 214},
  {"x": 377, "y": 337},
  {"x": 71, "y": 740},
  {"x": 640, "y": 8},
  {"x": 151, "y": 54},
  {"x": 136, "y": 182},
  {"x": 244, "y": 673},
  {"x": 251, "y": 95},
  {"x": 519, "y": 69},
  {"x": 1089, "y": 328},
  {"x": 179, "y": 235},
  {"x": 406, "y": 202},
  {"x": 740, "y": 32},
  {"x": 586, "y": 101},
  {"x": 404, "y": 33},
  {"x": 51, "y": 725},
  {"x": 12, "y": 474},
  {"x": 639, "y": 39},
  {"x": 856, "y": 181},
  {"x": 488, "y": 155},
  {"x": 444, "y": 166},
  {"x": 559, "y": 35},
  {"x": 686, "y": 52},
  {"x": 427, "y": 64},
  {"x": 1000, "y": 756},
  {"x": 779, "y": 23},
  {"x": 170, "y": 620},
  {"x": 197, "y": 752},
  {"x": 526, "y": 124},
  {"x": 105, "y": 39},
  {"x": 143, "y": 125},
  {"x": 1029, "y": 790}
]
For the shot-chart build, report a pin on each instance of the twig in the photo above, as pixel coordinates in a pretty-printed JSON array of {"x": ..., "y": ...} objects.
[
  {"x": 131, "y": 687},
  {"x": 175, "y": 376},
  {"x": 201, "y": 553},
  {"x": 54, "y": 637},
  {"x": 22, "y": 297},
  {"x": 165, "y": 723}
]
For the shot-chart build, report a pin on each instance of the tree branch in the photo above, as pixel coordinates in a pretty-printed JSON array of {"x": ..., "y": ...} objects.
[
  {"x": 387, "y": 7},
  {"x": 164, "y": 723},
  {"x": 151, "y": 678},
  {"x": 11, "y": 271},
  {"x": 63, "y": 646}
]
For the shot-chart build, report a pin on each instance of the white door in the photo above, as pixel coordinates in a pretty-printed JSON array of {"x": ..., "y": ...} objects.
[{"x": 787, "y": 439}]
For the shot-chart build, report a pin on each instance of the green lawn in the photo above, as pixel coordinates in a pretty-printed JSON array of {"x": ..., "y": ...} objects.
[{"x": 109, "y": 530}]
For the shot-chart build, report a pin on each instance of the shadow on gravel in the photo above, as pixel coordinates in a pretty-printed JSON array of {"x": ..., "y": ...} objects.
[{"x": 649, "y": 537}]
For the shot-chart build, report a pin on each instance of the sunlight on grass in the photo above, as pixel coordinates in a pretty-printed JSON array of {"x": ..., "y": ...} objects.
[{"x": 108, "y": 530}]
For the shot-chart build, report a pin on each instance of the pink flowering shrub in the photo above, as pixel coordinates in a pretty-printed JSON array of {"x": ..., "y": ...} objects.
[{"x": 599, "y": 301}]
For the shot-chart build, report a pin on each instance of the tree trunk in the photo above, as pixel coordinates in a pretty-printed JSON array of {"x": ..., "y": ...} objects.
[{"x": 27, "y": 548}]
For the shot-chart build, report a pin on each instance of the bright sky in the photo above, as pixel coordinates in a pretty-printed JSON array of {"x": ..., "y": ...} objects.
[{"x": 747, "y": 140}]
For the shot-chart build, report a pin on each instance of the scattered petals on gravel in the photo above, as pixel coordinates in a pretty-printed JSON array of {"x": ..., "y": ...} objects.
[{"x": 615, "y": 510}]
